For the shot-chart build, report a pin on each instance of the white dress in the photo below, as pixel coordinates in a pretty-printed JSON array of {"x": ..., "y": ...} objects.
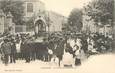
[
  {"x": 18, "y": 45},
  {"x": 54, "y": 62},
  {"x": 67, "y": 59}
]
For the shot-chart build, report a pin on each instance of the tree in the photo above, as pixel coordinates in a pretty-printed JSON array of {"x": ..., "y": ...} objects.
[
  {"x": 100, "y": 10},
  {"x": 30, "y": 23},
  {"x": 15, "y": 7},
  {"x": 75, "y": 20}
]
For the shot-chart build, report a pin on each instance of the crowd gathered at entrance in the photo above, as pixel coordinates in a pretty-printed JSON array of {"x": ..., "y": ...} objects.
[{"x": 66, "y": 49}]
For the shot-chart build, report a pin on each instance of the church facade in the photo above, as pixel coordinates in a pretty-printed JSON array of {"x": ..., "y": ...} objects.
[
  {"x": 52, "y": 20},
  {"x": 34, "y": 9}
]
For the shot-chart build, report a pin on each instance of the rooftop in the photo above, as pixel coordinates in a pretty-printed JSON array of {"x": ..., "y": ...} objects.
[{"x": 25, "y": 0}]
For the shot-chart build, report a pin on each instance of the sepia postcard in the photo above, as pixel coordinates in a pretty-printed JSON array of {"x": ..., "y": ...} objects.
[{"x": 57, "y": 36}]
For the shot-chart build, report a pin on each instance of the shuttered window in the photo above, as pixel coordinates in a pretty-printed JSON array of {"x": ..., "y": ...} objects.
[{"x": 29, "y": 7}]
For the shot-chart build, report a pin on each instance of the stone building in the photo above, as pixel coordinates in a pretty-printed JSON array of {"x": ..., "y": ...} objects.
[
  {"x": 31, "y": 8},
  {"x": 56, "y": 21},
  {"x": 49, "y": 22},
  {"x": 6, "y": 23},
  {"x": 34, "y": 9},
  {"x": 89, "y": 26}
]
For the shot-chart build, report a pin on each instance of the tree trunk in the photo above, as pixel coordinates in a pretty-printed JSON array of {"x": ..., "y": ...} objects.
[{"x": 114, "y": 29}]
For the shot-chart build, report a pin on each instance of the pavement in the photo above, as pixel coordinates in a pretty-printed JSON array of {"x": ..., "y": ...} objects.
[{"x": 94, "y": 64}]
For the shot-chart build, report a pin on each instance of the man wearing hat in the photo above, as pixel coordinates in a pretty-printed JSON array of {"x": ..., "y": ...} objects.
[
  {"x": 13, "y": 52},
  {"x": 6, "y": 50}
]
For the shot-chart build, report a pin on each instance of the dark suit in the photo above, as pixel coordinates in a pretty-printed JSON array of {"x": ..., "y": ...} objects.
[{"x": 13, "y": 53}]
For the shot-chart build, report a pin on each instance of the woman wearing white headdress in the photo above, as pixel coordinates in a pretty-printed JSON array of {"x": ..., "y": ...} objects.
[{"x": 18, "y": 45}]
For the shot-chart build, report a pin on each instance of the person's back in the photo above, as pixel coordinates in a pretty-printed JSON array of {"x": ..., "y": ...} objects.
[
  {"x": 6, "y": 51},
  {"x": 60, "y": 48},
  {"x": 67, "y": 59},
  {"x": 13, "y": 48},
  {"x": 6, "y": 47}
]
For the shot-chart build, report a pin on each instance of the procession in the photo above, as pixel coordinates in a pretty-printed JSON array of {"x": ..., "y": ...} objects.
[
  {"x": 31, "y": 34},
  {"x": 61, "y": 49}
]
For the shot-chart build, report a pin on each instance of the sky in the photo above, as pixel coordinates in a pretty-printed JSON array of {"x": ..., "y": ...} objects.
[{"x": 64, "y": 7}]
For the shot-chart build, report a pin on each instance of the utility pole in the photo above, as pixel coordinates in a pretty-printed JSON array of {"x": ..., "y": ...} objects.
[{"x": 48, "y": 23}]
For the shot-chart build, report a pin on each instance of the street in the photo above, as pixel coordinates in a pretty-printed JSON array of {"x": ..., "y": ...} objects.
[{"x": 94, "y": 64}]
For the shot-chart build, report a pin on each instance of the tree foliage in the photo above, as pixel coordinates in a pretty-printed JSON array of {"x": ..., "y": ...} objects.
[
  {"x": 15, "y": 7},
  {"x": 75, "y": 20},
  {"x": 100, "y": 10}
]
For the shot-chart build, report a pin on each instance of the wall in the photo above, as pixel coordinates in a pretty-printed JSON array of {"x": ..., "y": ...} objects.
[
  {"x": 37, "y": 6},
  {"x": 89, "y": 26},
  {"x": 57, "y": 21},
  {"x": 20, "y": 28}
]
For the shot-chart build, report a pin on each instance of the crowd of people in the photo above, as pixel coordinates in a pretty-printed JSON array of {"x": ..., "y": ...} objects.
[{"x": 66, "y": 49}]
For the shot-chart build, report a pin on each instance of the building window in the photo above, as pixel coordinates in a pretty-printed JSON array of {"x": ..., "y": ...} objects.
[{"x": 29, "y": 7}]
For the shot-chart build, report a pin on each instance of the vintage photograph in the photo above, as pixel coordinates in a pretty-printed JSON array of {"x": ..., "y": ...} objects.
[{"x": 57, "y": 36}]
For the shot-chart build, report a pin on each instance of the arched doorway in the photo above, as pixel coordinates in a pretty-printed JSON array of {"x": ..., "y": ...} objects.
[{"x": 40, "y": 27}]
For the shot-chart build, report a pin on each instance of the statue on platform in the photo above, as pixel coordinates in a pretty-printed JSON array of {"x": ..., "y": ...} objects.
[{"x": 40, "y": 26}]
